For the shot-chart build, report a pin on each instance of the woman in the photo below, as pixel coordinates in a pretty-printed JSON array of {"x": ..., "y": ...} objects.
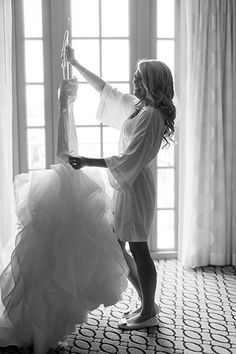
[
  {"x": 145, "y": 119},
  {"x": 67, "y": 260}
]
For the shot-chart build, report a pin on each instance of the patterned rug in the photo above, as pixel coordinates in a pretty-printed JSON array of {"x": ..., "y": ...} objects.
[{"x": 198, "y": 315}]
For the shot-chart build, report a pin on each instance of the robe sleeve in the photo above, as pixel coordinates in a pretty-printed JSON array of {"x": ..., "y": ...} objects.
[
  {"x": 143, "y": 147},
  {"x": 115, "y": 107}
]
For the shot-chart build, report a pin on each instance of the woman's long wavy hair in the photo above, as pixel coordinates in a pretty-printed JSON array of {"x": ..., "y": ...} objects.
[{"x": 158, "y": 83}]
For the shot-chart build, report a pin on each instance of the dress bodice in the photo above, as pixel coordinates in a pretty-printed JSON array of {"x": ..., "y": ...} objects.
[
  {"x": 67, "y": 92},
  {"x": 67, "y": 143}
]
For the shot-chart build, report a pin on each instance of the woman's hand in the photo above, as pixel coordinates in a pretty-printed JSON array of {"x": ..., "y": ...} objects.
[
  {"x": 81, "y": 161},
  {"x": 77, "y": 162},
  {"x": 97, "y": 82},
  {"x": 70, "y": 55}
]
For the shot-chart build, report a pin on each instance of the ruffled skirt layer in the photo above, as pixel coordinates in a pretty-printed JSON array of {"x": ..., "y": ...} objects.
[{"x": 66, "y": 261}]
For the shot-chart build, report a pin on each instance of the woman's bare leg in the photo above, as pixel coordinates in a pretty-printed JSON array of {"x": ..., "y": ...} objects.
[
  {"x": 133, "y": 275},
  {"x": 147, "y": 279}
]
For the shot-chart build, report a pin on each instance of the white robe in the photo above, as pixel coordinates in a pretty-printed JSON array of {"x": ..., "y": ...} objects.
[{"x": 129, "y": 172}]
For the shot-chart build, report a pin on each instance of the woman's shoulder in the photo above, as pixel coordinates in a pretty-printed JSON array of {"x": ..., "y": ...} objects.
[{"x": 151, "y": 119}]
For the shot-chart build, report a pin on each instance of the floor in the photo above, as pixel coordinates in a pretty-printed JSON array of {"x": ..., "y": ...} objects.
[{"x": 198, "y": 315}]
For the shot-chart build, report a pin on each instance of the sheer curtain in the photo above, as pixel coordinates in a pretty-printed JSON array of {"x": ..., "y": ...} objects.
[
  {"x": 206, "y": 89},
  {"x": 7, "y": 218}
]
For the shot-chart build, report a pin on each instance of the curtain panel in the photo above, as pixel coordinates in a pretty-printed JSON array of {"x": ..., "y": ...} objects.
[{"x": 207, "y": 132}]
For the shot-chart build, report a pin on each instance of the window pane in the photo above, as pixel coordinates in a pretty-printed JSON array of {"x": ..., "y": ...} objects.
[
  {"x": 110, "y": 141},
  {"x": 165, "y": 10},
  {"x": 34, "y": 60},
  {"x": 115, "y": 18},
  {"x": 85, "y": 15},
  {"x": 165, "y": 188},
  {"x": 115, "y": 60},
  {"x": 89, "y": 141},
  {"x": 33, "y": 18},
  {"x": 87, "y": 50},
  {"x": 35, "y": 105},
  {"x": 165, "y": 229},
  {"x": 85, "y": 106},
  {"x": 165, "y": 157},
  {"x": 36, "y": 148},
  {"x": 165, "y": 53}
]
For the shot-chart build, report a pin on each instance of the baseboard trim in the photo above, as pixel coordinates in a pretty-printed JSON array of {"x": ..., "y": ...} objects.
[{"x": 164, "y": 255}]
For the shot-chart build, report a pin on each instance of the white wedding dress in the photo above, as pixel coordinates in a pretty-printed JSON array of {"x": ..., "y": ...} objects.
[{"x": 66, "y": 260}]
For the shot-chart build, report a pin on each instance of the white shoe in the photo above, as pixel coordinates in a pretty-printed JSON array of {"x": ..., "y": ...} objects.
[{"x": 151, "y": 322}]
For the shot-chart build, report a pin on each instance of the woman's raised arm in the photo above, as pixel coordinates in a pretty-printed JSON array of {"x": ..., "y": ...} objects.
[{"x": 95, "y": 81}]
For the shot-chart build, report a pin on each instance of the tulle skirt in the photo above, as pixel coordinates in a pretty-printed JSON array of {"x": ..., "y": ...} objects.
[{"x": 66, "y": 260}]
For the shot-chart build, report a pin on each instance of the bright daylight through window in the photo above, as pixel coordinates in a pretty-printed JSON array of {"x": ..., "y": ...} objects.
[{"x": 108, "y": 46}]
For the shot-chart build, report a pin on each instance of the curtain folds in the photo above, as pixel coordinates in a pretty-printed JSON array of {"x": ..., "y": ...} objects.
[
  {"x": 7, "y": 217},
  {"x": 207, "y": 132}
]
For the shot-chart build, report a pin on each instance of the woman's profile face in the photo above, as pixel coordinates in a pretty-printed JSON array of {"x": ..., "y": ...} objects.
[{"x": 139, "y": 90}]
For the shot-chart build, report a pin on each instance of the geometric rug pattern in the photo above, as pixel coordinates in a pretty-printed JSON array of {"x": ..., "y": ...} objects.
[{"x": 197, "y": 315}]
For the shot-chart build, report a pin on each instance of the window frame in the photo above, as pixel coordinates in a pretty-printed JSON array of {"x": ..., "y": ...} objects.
[{"x": 55, "y": 14}]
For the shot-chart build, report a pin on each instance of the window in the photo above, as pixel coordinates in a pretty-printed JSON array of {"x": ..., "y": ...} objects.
[
  {"x": 102, "y": 45},
  {"x": 108, "y": 36}
]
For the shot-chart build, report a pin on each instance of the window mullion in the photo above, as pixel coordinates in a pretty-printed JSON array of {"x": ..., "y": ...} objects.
[
  {"x": 20, "y": 88},
  {"x": 152, "y": 54},
  {"x": 48, "y": 95},
  {"x": 133, "y": 32},
  {"x": 153, "y": 28},
  {"x": 60, "y": 12},
  {"x": 176, "y": 196},
  {"x": 144, "y": 29},
  {"x": 15, "y": 123}
]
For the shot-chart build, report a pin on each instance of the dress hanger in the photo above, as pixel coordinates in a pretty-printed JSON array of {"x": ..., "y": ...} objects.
[{"x": 64, "y": 62}]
